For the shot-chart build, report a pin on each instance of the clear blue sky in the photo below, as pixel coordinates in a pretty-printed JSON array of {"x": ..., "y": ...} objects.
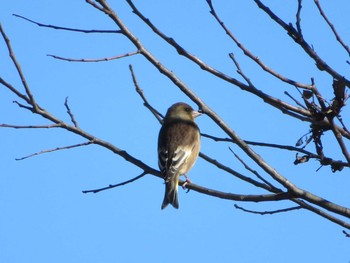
[{"x": 44, "y": 215}]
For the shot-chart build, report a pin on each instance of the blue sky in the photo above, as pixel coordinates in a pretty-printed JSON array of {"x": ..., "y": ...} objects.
[{"x": 45, "y": 216}]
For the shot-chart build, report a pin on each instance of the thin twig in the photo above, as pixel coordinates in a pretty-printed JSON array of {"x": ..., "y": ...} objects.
[
  {"x": 239, "y": 175},
  {"x": 246, "y": 166},
  {"x": 239, "y": 70},
  {"x": 70, "y": 113},
  {"x": 55, "y": 149},
  {"x": 68, "y": 28},
  {"x": 298, "y": 17},
  {"x": 94, "y": 191},
  {"x": 4, "y": 125},
  {"x": 31, "y": 100},
  {"x": 295, "y": 100},
  {"x": 346, "y": 233},
  {"x": 337, "y": 36},
  {"x": 24, "y": 106},
  {"x": 94, "y": 59},
  {"x": 269, "y": 212},
  {"x": 14, "y": 90},
  {"x": 92, "y": 2},
  {"x": 322, "y": 159},
  {"x": 156, "y": 113}
]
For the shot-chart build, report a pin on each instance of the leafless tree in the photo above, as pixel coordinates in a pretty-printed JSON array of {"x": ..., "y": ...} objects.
[{"x": 321, "y": 113}]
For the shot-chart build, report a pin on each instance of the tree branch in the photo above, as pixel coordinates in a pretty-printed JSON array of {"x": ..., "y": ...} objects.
[
  {"x": 68, "y": 28},
  {"x": 55, "y": 149},
  {"x": 139, "y": 91},
  {"x": 30, "y": 99},
  {"x": 94, "y": 59},
  {"x": 269, "y": 212},
  {"x": 94, "y": 191},
  {"x": 339, "y": 39}
]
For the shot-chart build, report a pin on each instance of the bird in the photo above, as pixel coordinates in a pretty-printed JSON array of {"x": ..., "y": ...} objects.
[{"x": 178, "y": 148}]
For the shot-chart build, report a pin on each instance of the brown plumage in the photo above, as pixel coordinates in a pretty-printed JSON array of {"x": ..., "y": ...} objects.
[{"x": 178, "y": 148}]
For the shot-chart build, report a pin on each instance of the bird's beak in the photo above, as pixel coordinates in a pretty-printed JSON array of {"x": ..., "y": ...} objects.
[{"x": 196, "y": 114}]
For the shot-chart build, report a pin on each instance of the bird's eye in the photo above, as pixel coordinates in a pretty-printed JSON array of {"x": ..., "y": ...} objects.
[{"x": 187, "y": 109}]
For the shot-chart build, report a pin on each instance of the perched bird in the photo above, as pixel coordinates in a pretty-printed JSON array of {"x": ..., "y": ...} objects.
[{"x": 178, "y": 148}]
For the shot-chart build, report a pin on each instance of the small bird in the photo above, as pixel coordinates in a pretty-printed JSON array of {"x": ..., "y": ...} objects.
[{"x": 178, "y": 148}]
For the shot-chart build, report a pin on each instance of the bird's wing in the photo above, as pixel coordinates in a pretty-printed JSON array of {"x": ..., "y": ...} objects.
[{"x": 171, "y": 166}]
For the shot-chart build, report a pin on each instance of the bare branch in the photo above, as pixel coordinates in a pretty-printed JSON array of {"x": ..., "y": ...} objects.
[
  {"x": 239, "y": 70},
  {"x": 94, "y": 191},
  {"x": 94, "y": 59},
  {"x": 339, "y": 39},
  {"x": 239, "y": 175},
  {"x": 298, "y": 17},
  {"x": 238, "y": 197},
  {"x": 14, "y": 90},
  {"x": 24, "y": 106},
  {"x": 68, "y": 28},
  {"x": 4, "y": 125},
  {"x": 346, "y": 233},
  {"x": 55, "y": 149},
  {"x": 323, "y": 160},
  {"x": 269, "y": 212},
  {"x": 31, "y": 100},
  {"x": 70, "y": 113},
  {"x": 92, "y": 2},
  {"x": 296, "y": 101},
  {"x": 156, "y": 113},
  {"x": 246, "y": 166}
]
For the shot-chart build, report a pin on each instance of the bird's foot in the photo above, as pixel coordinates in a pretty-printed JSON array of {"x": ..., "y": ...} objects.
[{"x": 188, "y": 181}]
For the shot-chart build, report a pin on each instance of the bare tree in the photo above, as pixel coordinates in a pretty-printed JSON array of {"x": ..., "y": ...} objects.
[{"x": 322, "y": 114}]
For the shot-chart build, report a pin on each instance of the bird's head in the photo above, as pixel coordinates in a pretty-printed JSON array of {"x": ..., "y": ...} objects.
[{"x": 181, "y": 111}]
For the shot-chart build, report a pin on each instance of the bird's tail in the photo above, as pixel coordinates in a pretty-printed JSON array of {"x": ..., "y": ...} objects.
[{"x": 170, "y": 196}]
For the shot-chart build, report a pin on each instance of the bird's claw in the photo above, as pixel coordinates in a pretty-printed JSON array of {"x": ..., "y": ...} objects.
[{"x": 188, "y": 181}]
